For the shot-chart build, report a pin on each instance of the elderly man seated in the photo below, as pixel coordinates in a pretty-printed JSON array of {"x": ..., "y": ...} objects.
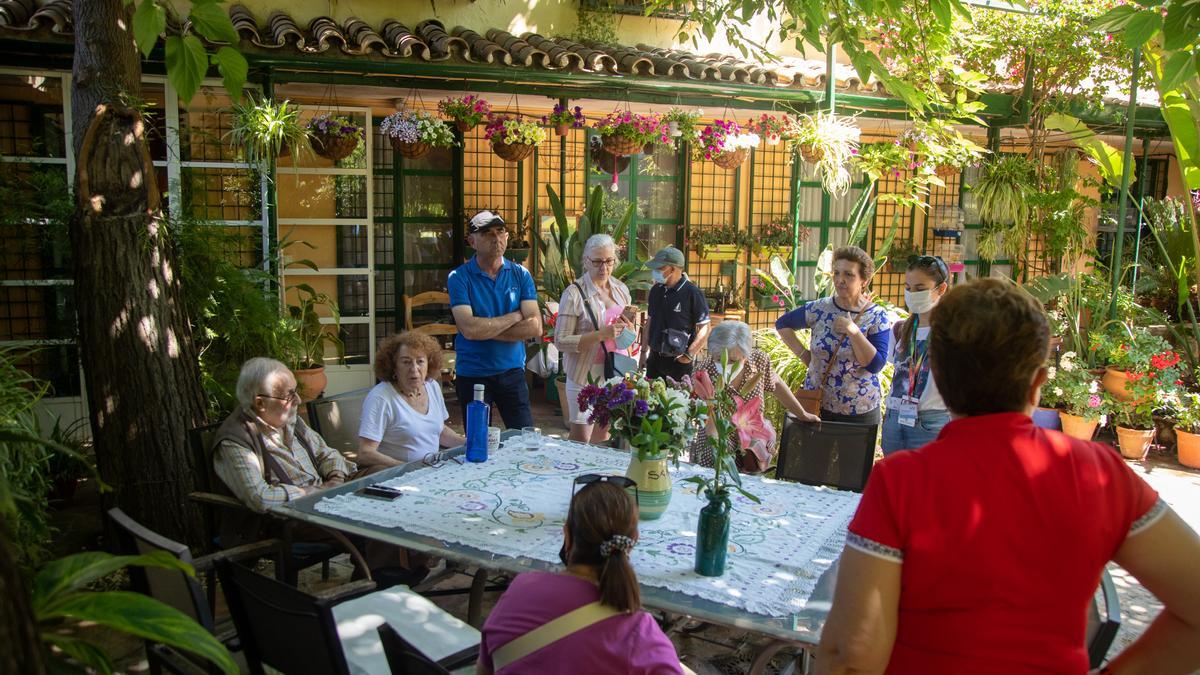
[{"x": 265, "y": 454}]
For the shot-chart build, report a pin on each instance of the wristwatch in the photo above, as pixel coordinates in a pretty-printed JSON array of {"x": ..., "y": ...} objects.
[{"x": 689, "y": 356}]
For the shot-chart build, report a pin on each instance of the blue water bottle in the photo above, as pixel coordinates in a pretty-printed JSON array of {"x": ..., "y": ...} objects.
[{"x": 478, "y": 414}]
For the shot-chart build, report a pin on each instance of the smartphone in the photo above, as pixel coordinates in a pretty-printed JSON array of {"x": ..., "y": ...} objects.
[{"x": 379, "y": 492}]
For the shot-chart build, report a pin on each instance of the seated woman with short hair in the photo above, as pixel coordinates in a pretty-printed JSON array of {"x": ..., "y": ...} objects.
[
  {"x": 612, "y": 634},
  {"x": 980, "y": 552},
  {"x": 404, "y": 416}
]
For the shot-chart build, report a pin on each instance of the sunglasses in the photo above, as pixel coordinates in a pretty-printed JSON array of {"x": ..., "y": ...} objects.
[
  {"x": 931, "y": 262},
  {"x": 436, "y": 459},
  {"x": 589, "y": 478}
]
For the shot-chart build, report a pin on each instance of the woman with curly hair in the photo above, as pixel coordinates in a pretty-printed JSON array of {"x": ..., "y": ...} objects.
[{"x": 404, "y": 416}]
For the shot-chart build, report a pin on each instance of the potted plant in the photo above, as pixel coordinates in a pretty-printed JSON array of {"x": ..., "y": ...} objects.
[
  {"x": 774, "y": 238},
  {"x": 307, "y": 358},
  {"x": 1002, "y": 190},
  {"x": 682, "y": 125},
  {"x": 1186, "y": 415},
  {"x": 725, "y": 143},
  {"x": 885, "y": 158},
  {"x": 770, "y": 128},
  {"x": 941, "y": 147},
  {"x": 655, "y": 420},
  {"x": 263, "y": 129},
  {"x": 334, "y": 137},
  {"x": 903, "y": 250},
  {"x": 624, "y": 133},
  {"x": 1135, "y": 419},
  {"x": 729, "y": 418},
  {"x": 466, "y": 111},
  {"x": 829, "y": 141},
  {"x": 719, "y": 242},
  {"x": 564, "y": 119},
  {"x": 1130, "y": 349},
  {"x": 413, "y": 132},
  {"x": 513, "y": 139},
  {"x": 1082, "y": 405}
]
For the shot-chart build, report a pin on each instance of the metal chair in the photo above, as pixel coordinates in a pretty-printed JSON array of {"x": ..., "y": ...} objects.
[
  {"x": 439, "y": 331},
  {"x": 336, "y": 419},
  {"x": 834, "y": 454},
  {"x": 1102, "y": 627},
  {"x": 405, "y": 659},
  {"x": 178, "y": 589}
]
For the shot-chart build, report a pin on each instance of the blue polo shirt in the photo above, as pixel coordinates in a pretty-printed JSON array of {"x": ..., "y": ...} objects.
[{"x": 489, "y": 298}]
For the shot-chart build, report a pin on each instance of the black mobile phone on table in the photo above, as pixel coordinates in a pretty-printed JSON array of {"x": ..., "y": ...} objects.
[{"x": 379, "y": 492}]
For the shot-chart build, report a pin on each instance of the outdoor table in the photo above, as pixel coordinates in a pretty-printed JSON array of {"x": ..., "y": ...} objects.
[{"x": 506, "y": 514}]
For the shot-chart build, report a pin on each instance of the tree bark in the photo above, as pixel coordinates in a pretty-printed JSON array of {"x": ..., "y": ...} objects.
[
  {"x": 141, "y": 371},
  {"x": 22, "y": 649}
]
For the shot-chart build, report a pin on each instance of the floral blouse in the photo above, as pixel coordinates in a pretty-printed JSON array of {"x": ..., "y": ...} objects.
[{"x": 852, "y": 389}]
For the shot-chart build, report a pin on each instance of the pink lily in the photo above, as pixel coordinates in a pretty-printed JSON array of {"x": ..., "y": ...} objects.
[
  {"x": 751, "y": 425},
  {"x": 702, "y": 385}
]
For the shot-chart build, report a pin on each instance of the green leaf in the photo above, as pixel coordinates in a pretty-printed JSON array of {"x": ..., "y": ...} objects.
[
  {"x": 1178, "y": 28},
  {"x": 76, "y": 571},
  {"x": 1181, "y": 116},
  {"x": 941, "y": 10},
  {"x": 82, "y": 651},
  {"x": 1142, "y": 27},
  {"x": 1107, "y": 158},
  {"x": 187, "y": 63},
  {"x": 149, "y": 22},
  {"x": 233, "y": 68},
  {"x": 211, "y": 21},
  {"x": 1175, "y": 69},
  {"x": 147, "y": 618},
  {"x": 1114, "y": 19}
]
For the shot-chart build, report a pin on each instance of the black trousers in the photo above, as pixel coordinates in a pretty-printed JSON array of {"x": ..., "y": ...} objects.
[
  {"x": 661, "y": 366},
  {"x": 507, "y": 390}
]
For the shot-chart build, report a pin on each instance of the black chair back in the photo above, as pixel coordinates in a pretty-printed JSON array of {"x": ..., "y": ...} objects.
[
  {"x": 835, "y": 454},
  {"x": 200, "y": 441},
  {"x": 172, "y": 587},
  {"x": 403, "y": 658},
  {"x": 1103, "y": 622},
  {"x": 280, "y": 626},
  {"x": 336, "y": 419}
]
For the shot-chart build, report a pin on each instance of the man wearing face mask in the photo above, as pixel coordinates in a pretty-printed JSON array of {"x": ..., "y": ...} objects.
[
  {"x": 916, "y": 412},
  {"x": 678, "y": 322}
]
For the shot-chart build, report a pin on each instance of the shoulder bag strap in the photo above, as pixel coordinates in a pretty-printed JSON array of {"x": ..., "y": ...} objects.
[
  {"x": 833, "y": 356},
  {"x": 550, "y": 632},
  {"x": 588, "y": 308}
]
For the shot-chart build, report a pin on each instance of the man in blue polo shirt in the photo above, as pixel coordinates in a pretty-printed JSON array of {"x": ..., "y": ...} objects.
[{"x": 495, "y": 309}]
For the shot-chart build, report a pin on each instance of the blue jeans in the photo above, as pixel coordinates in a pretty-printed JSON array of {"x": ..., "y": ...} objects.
[
  {"x": 896, "y": 436},
  {"x": 507, "y": 390}
]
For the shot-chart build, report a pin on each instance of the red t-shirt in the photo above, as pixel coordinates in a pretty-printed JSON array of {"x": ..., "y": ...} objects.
[{"x": 1002, "y": 530}]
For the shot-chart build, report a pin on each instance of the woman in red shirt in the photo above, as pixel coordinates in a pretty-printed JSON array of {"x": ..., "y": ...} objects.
[{"x": 980, "y": 552}]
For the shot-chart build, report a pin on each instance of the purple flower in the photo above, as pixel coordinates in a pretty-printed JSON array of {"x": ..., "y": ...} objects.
[{"x": 640, "y": 408}]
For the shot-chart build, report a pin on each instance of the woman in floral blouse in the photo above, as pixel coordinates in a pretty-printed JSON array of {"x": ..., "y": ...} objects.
[{"x": 853, "y": 332}]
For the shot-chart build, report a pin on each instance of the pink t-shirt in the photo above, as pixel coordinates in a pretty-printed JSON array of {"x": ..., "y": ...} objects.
[{"x": 631, "y": 643}]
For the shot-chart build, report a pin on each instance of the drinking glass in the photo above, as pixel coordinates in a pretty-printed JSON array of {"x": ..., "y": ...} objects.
[{"x": 532, "y": 437}]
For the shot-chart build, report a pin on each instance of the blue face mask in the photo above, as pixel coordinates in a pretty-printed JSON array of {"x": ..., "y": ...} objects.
[{"x": 658, "y": 277}]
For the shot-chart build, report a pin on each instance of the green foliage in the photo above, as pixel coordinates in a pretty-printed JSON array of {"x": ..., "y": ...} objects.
[
  {"x": 562, "y": 251},
  {"x": 262, "y": 128},
  {"x": 187, "y": 59},
  {"x": 1107, "y": 159},
  {"x": 701, "y": 239},
  {"x": 1071, "y": 387},
  {"x": 24, "y": 460},
  {"x": 60, "y": 599},
  {"x": 833, "y": 140},
  {"x": 1167, "y": 267},
  {"x": 313, "y": 335},
  {"x": 1186, "y": 413},
  {"x": 1002, "y": 190},
  {"x": 720, "y": 414}
]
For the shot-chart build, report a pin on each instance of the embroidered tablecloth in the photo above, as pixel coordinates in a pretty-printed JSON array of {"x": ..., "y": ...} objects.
[{"x": 514, "y": 504}]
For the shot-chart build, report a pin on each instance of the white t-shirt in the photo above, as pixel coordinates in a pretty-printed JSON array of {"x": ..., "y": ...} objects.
[
  {"x": 931, "y": 398},
  {"x": 401, "y": 431}
]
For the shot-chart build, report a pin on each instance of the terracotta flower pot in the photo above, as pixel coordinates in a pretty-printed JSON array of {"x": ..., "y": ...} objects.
[
  {"x": 1135, "y": 443},
  {"x": 1188, "y": 447},
  {"x": 1116, "y": 382},
  {"x": 1078, "y": 427},
  {"x": 310, "y": 382},
  {"x": 562, "y": 129}
]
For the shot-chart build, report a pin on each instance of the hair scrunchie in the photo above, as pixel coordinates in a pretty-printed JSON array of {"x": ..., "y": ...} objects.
[{"x": 617, "y": 542}]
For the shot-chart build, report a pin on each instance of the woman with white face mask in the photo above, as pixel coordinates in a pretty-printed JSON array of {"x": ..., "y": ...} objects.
[{"x": 915, "y": 410}]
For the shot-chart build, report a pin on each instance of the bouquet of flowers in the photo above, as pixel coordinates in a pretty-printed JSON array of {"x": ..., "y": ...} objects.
[
  {"x": 655, "y": 417},
  {"x": 738, "y": 425},
  {"x": 466, "y": 111},
  {"x": 563, "y": 118},
  {"x": 409, "y": 126}
]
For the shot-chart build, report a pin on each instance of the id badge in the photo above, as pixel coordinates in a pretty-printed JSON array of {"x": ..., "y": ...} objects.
[{"x": 908, "y": 411}]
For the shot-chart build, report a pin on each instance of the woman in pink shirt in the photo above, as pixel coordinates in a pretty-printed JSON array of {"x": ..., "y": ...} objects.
[{"x": 611, "y": 634}]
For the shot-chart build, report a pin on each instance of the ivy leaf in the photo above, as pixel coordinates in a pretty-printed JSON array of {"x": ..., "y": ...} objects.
[
  {"x": 233, "y": 68},
  {"x": 213, "y": 23},
  {"x": 1142, "y": 27},
  {"x": 149, "y": 21},
  {"x": 187, "y": 62}
]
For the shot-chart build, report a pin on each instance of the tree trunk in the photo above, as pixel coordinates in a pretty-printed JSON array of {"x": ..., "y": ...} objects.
[
  {"x": 141, "y": 372},
  {"x": 22, "y": 649}
]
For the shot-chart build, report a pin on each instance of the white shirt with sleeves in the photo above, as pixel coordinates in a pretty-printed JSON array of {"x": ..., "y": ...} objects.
[{"x": 402, "y": 432}]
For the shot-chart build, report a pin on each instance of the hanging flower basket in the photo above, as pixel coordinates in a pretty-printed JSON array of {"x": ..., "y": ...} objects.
[
  {"x": 463, "y": 126},
  {"x": 945, "y": 170},
  {"x": 731, "y": 160},
  {"x": 410, "y": 150},
  {"x": 810, "y": 154},
  {"x": 622, "y": 146},
  {"x": 563, "y": 118},
  {"x": 466, "y": 111},
  {"x": 512, "y": 152},
  {"x": 561, "y": 129},
  {"x": 607, "y": 161},
  {"x": 333, "y": 147},
  {"x": 627, "y": 134}
]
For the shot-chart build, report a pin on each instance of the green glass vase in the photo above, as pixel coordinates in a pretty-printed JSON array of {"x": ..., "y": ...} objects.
[{"x": 712, "y": 534}]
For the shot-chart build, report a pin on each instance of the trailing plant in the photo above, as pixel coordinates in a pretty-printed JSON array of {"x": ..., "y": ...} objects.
[
  {"x": 770, "y": 128},
  {"x": 513, "y": 131},
  {"x": 883, "y": 159},
  {"x": 262, "y": 128},
  {"x": 830, "y": 141},
  {"x": 723, "y": 136},
  {"x": 938, "y": 144},
  {"x": 1003, "y": 190},
  {"x": 469, "y": 109},
  {"x": 1057, "y": 210},
  {"x": 415, "y": 126},
  {"x": 334, "y": 126},
  {"x": 642, "y": 129},
  {"x": 683, "y": 125},
  {"x": 565, "y": 115}
]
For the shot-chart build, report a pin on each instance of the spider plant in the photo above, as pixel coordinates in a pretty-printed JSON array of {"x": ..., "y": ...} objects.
[
  {"x": 829, "y": 141},
  {"x": 1003, "y": 190},
  {"x": 263, "y": 128}
]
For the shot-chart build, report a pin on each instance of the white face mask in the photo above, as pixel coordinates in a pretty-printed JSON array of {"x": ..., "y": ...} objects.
[
  {"x": 658, "y": 277},
  {"x": 919, "y": 302},
  {"x": 734, "y": 369}
]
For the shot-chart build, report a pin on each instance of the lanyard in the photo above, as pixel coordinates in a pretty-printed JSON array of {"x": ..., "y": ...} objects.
[{"x": 916, "y": 357}]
